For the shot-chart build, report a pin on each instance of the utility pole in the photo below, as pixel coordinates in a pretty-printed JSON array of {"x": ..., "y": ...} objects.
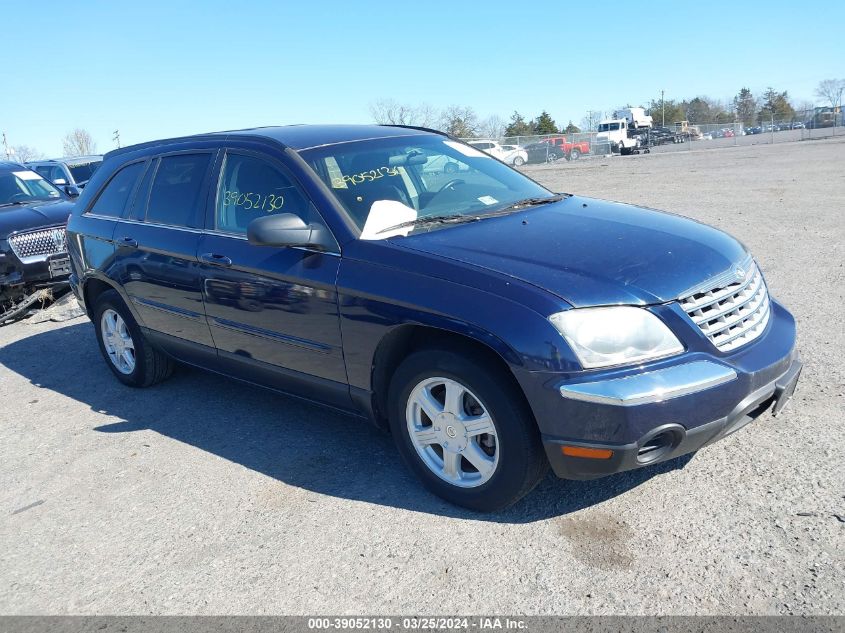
[
  {"x": 116, "y": 138},
  {"x": 590, "y": 114},
  {"x": 663, "y": 107}
]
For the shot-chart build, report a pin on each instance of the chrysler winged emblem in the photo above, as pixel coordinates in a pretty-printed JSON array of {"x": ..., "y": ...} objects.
[
  {"x": 739, "y": 272},
  {"x": 59, "y": 240}
]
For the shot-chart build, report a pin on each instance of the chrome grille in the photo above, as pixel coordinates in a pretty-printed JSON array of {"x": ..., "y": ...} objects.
[
  {"x": 39, "y": 243},
  {"x": 731, "y": 314}
]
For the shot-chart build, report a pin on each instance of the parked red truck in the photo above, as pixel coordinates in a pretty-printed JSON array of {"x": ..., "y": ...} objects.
[{"x": 572, "y": 151}]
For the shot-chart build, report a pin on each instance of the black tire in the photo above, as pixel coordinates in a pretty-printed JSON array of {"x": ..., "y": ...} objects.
[
  {"x": 450, "y": 168},
  {"x": 574, "y": 154},
  {"x": 522, "y": 462},
  {"x": 151, "y": 365},
  {"x": 518, "y": 161}
]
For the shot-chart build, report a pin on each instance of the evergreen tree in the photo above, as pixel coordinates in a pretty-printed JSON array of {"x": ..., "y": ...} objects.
[
  {"x": 518, "y": 126},
  {"x": 545, "y": 124}
]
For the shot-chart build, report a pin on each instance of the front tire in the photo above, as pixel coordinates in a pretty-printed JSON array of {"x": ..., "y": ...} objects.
[
  {"x": 128, "y": 354},
  {"x": 518, "y": 161},
  {"x": 464, "y": 430}
]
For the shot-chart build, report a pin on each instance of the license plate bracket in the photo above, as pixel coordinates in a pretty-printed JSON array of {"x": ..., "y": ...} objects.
[{"x": 59, "y": 266}]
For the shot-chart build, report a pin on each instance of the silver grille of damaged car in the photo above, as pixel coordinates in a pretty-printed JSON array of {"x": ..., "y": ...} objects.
[
  {"x": 731, "y": 314},
  {"x": 39, "y": 243}
]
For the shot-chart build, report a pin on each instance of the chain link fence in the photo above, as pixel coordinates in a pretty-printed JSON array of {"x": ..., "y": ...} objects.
[{"x": 679, "y": 136}]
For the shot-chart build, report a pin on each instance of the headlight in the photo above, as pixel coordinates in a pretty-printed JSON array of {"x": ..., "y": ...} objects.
[{"x": 616, "y": 335}]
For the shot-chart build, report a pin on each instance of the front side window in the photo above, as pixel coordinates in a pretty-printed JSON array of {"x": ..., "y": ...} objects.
[
  {"x": 22, "y": 185},
  {"x": 176, "y": 194},
  {"x": 114, "y": 196},
  {"x": 251, "y": 188},
  {"x": 384, "y": 182}
]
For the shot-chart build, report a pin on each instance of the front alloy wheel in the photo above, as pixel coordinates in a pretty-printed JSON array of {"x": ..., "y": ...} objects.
[
  {"x": 462, "y": 425},
  {"x": 452, "y": 432}
]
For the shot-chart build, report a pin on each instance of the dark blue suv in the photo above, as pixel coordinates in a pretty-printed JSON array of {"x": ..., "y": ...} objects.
[{"x": 495, "y": 327}]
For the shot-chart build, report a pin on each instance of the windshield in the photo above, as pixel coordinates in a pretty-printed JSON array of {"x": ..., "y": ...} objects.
[
  {"x": 607, "y": 127},
  {"x": 23, "y": 185},
  {"x": 82, "y": 173},
  {"x": 385, "y": 182}
]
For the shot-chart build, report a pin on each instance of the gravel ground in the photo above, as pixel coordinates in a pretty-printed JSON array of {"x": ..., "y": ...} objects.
[{"x": 201, "y": 496}]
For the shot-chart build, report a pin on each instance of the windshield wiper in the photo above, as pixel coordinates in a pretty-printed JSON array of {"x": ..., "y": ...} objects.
[
  {"x": 432, "y": 219},
  {"x": 527, "y": 202},
  {"x": 460, "y": 219},
  {"x": 15, "y": 203}
]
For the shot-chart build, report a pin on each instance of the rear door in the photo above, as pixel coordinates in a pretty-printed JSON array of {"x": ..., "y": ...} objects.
[
  {"x": 94, "y": 228},
  {"x": 157, "y": 252},
  {"x": 272, "y": 311}
]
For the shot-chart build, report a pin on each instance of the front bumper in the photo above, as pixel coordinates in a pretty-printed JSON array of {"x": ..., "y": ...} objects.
[
  {"x": 34, "y": 272},
  {"x": 639, "y": 416}
]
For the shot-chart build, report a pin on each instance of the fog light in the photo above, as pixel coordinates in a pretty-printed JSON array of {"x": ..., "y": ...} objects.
[{"x": 589, "y": 453}]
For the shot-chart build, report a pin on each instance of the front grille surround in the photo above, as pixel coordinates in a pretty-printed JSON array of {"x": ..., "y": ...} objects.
[
  {"x": 39, "y": 244},
  {"x": 731, "y": 313}
]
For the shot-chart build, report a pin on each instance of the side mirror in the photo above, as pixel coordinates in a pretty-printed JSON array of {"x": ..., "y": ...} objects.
[
  {"x": 287, "y": 229},
  {"x": 59, "y": 181},
  {"x": 71, "y": 191}
]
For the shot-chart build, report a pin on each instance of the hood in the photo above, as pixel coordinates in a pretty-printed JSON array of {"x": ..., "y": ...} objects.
[
  {"x": 590, "y": 252},
  {"x": 43, "y": 213}
]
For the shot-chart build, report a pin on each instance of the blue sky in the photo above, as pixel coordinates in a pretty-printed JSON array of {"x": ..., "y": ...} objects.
[{"x": 156, "y": 69}]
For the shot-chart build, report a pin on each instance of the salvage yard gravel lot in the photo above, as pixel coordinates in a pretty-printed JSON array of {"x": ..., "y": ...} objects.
[{"x": 202, "y": 495}]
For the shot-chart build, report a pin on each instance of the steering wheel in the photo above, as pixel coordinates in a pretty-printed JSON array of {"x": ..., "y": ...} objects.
[{"x": 451, "y": 183}]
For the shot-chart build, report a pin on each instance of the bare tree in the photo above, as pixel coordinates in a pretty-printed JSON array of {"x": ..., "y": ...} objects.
[
  {"x": 390, "y": 112},
  {"x": 831, "y": 89},
  {"x": 493, "y": 127},
  {"x": 24, "y": 153},
  {"x": 460, "y": 121},
  {"x": 78, "y": 143}
]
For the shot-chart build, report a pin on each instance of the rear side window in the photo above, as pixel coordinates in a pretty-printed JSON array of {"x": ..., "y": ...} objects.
[
  {"x": 177, "y": 190},
  {"x": 112, "y": 200}
]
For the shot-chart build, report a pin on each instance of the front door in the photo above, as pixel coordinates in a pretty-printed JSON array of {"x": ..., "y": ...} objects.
[{"x": 273, "y": 312}]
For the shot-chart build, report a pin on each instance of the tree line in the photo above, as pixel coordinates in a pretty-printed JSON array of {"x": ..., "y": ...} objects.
[
  {"x": 464, "y": 122},
  {"x": 744, "y": 107}
]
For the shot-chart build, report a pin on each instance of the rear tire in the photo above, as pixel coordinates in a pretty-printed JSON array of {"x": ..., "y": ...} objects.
[
  {"x": 488, "y": 424},
  {"x": 575, "y": 154},
  {"x": 518, "y": 161},
  {"x": 131, "y": 358}
]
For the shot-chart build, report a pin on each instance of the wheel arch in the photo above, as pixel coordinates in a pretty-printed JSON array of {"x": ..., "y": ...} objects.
[
  {"x": 93, "y": 287},
  {"x": 406, "y": 339}
]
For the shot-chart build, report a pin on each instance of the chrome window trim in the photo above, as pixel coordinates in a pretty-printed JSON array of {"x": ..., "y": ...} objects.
[{"x": 651, "y": 386}]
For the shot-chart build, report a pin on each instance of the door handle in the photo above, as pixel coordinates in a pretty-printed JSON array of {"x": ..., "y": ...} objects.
[
  {"x": 214, "y": 258},
  {"x": 128, "y": 242}
]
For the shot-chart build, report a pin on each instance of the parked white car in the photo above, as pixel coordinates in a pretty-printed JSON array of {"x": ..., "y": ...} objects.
[
  {"x": 510, "y": 154},
  {"x": 515, "y": 155}
]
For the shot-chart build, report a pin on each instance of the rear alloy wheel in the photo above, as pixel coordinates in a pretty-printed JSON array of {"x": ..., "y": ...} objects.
[
  {"x": 129, "y": 355},
  {"x": 465, "y": 430},
  {"x": 574, "y": 154},
  {"x": 518, "y": 161},
  {"x": 120, "y": 348}
]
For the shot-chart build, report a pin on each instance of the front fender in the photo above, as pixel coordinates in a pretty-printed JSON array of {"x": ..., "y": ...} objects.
[{"x": 374, "y": 300}]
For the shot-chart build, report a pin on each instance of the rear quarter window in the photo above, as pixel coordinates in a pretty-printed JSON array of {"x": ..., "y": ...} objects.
[{"x": 112, "y": 200}]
